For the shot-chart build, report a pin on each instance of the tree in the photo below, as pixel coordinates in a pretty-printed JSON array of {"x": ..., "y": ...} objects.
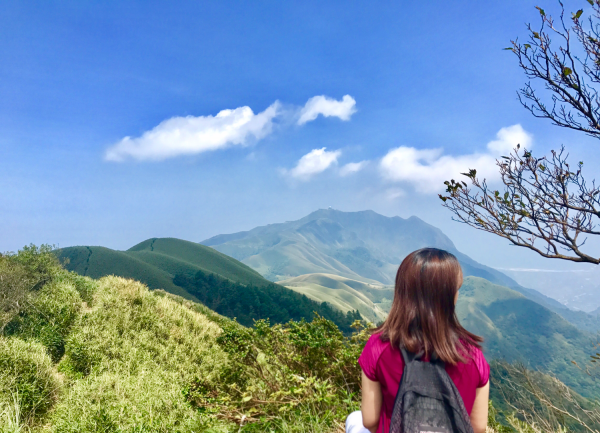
[
  {"x": 546, "y": 205},
  {"x": 22, "y": 275}
]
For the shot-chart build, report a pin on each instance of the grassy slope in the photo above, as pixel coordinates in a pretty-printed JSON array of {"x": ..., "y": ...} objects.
[
  {"x": 518, "y": 329},
  {"x": 196, "y": 257},
  {"x": 97, "y": 262},
  {"x": 343, "y": 293},
  {"x": 156, "y": 261},
  {"x": 129, "y": 357}
]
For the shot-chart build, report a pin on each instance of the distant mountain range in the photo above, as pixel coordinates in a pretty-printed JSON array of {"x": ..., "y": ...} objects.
[
  {"x": 578, "y": 288},
  {"x": 362, "y": 246}
]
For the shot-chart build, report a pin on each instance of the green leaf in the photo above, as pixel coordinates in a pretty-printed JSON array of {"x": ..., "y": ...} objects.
[
  {"x": 536, "y": 35},
  {"x": 577, "y": 14},
  {"x": 527, "y": 46},
  {"x": 591, "y": 2},
  {"x": 509, "y": 48},
  {"x": 567, "y": 71},
  {"x": 542, "y": 13}
]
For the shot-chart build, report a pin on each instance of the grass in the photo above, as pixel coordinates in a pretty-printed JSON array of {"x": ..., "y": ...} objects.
[
  {"x": 29, "y": 385},
  {"x": 130, "y": 357},
  {"x": 343, "y": 293}
]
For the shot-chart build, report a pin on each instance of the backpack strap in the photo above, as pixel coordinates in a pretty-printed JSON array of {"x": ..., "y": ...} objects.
[{"x": 409, "y": 357}]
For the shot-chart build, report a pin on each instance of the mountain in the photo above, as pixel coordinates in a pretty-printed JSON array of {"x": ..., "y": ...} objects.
[
  {"x": 371, "y": 300},
  {"x": 362, "y": 246},
  {"x": 201, "y": 274}
]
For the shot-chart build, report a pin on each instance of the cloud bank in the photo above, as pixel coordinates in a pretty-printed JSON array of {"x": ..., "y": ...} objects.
[
  {"x": 327, "y": 107},
  {"x": 314, "y": 162},
  {"x": 427, "y": 169}
]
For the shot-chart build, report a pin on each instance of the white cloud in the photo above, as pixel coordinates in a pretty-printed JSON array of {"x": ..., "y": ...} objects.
[
  {"x": 508, "y": 138},
  {"x": 352, "y": 167},
  {"x": 314, "y": 162},
  {"x": 328, "y": 107},
  {"x": 191, "y": 135},
  {"x": 427, "y": 169}
]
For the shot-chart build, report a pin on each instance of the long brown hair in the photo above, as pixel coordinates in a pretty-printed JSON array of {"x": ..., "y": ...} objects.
[{"x": 423, "y": 317}]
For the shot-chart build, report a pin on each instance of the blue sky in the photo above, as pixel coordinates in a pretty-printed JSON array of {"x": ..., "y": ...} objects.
[{"x": 76, "y": 78}]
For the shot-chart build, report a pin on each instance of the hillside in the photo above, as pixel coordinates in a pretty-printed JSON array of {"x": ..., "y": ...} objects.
[
  {"x": 155, "y": 261},
  {"x": 362, "y": 246},
  {"x": 108, "y": 355},
  {"x": 201, "y": 274},
  {"x": 371, "y": 300},
  {"x": 514, "y": 327},
  {"x": 518, "y": 329}
]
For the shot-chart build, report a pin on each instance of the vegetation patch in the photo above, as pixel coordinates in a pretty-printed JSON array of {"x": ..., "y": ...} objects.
[{"x": 28, "y": 384}]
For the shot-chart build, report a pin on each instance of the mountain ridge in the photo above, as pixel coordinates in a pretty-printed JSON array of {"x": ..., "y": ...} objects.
[{"x": 363, "y": 246}]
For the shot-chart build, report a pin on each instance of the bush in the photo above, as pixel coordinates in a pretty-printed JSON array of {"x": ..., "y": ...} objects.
[
  {"x": 297, "y": 374},
  {"x": 28, "y": 384}
]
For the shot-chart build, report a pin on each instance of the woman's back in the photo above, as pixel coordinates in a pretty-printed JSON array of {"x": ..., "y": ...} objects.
[
  {"x": 422, "y": 319},
  {"x": 384, "y": 364}
]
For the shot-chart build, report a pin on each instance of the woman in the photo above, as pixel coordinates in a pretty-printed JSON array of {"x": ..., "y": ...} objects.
[{"x": 422, "y": 318}]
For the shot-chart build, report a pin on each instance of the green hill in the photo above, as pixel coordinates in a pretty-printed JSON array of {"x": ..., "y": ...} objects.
[
  {"x": 97, "y": 262},
  {"x": 177, "y": 256},
  {"x": 371, "y": 300},
  {"x": 156, "y": 261}
]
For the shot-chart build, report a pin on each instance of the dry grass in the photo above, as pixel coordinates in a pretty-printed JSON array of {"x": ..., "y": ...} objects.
[{"x": 130, "y": 357}]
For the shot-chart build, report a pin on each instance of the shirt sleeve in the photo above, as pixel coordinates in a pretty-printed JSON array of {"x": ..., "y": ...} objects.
[
  {"x": 484, "y": 369},
  {"x": 369, "y": 357}
]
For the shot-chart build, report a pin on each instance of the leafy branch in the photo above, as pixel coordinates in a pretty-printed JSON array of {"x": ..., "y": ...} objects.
[{"x": 545, "y": 205}]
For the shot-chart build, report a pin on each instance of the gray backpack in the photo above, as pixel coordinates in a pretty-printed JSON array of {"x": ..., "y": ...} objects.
[{"x": 427, "y": 399}]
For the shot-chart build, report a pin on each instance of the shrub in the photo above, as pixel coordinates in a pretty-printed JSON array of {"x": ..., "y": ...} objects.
[
  {"x": 28, "y": 384},
  {"x": 301, "y": 373}
]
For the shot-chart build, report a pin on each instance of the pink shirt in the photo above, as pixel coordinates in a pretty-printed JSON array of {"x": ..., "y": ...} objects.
[{"x": 384, "y": 364}]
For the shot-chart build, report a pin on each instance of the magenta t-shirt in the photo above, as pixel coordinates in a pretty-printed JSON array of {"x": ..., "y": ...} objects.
[{"x": 384, "y": 364}]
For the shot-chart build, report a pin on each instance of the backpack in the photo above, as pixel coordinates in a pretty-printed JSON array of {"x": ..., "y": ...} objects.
[{"x": 427, "y": 399}]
